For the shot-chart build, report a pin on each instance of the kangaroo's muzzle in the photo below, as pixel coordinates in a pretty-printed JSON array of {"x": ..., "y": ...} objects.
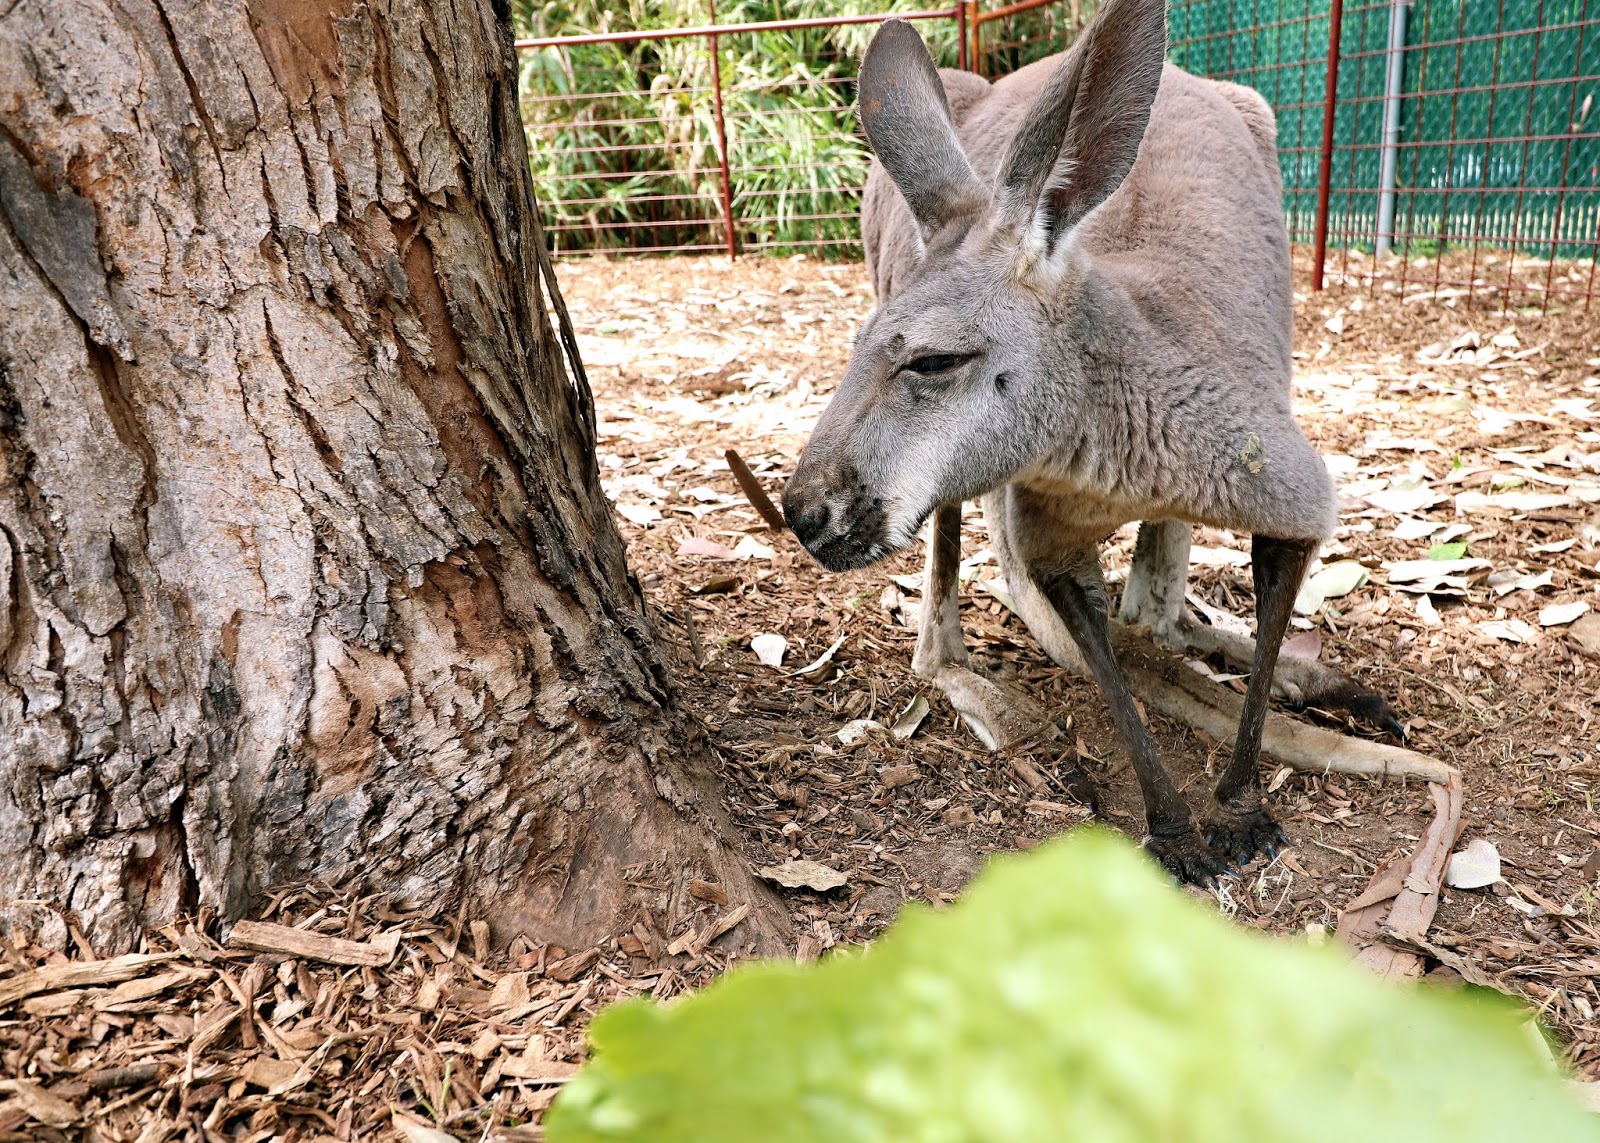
[{"x": 835, "y": 515}]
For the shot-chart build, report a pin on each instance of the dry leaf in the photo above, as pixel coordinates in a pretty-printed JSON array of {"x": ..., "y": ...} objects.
[
  {"x": 1219, "y": 557},
  {"x": 1585, "y": 635},
  {"x": 717, "y": 585},
  {"x": 910, "y": 718},
  {"x": 1471, "y": 503},
  {"x": 856, "y": 729},
  {"x": 698, "y": 546},
  {"x": 821, "y": 660},
  {"x": 751, "y": 548},
  {"x": 1306, "y": 645},
  {"x": 1505, "y": 582},
  {"x": 1510, "y": 630},
  {"x": 640, "y": 514},
  {"x": 1403, "y": 501},
  {"x": 804, "y": 875},
  {"x": 1560, "y": 614},
  {"x": 1331, "y": 582},
  {"x": 769, "y": 649},
  {"x": 1474, "y": 865},
  {"x": 1423, "y": 571}
]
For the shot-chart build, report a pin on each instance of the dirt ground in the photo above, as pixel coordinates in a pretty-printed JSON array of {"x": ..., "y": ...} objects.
[{"x": 1447, "y": 419}]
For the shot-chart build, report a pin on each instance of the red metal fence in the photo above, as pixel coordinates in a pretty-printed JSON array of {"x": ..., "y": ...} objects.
[{"x": 1463, "y": 136}]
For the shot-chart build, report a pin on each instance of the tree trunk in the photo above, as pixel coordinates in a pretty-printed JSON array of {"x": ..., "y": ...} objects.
[{"x": 305, "y": 572}]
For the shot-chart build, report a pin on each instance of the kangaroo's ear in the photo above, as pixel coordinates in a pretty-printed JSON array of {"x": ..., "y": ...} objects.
[
  {"x": 908, "y": 121},
  {"x": 1082, "y": 133}
]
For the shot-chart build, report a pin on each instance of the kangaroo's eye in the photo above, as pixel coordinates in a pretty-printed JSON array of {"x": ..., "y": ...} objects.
[{"x": 937, "y": 363}]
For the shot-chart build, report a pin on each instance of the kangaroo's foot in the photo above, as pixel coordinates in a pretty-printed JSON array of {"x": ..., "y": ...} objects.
[
  {"x": 1303, "y": 682},
  {"x": 1188, "y": 858},
  {"x": 1241, "y": 827},
  {"x": 999, "y": 716}
]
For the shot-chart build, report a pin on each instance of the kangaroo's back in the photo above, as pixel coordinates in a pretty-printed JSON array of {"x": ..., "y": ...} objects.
[{"x": 1195, "y": 231}]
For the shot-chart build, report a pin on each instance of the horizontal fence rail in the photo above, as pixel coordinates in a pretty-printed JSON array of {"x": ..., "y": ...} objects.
[{"x": 1463, "y": 136}]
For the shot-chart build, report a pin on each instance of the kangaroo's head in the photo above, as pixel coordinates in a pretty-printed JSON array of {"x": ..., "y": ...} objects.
[{"x": 957, "y": 381}]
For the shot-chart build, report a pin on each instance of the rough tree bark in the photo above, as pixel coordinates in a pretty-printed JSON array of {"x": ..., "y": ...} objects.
[{"x": 304, "y": 567}]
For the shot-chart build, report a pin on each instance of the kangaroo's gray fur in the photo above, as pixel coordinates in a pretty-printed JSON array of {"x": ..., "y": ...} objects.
[
  {"x": 1087, "y": 266},
  {"x": 1147, "y": 357}
]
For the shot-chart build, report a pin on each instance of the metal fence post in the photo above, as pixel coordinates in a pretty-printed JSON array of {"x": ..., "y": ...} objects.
[
  {"x": 1325, "y": 172},
  {"x": 961, "y": 35},
  {"x": 1393, "y": 92},
  {"x": 722, "y": 137},
  {"x": 970, "y": 18}
]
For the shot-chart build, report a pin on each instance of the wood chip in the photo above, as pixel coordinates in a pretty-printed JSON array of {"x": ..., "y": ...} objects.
[
  {"x": 538, "y": 1071},
  {"x": 269, "y": 938},
  {"x": 893, "y": 777},
  {"x": 270, "y": 1071},
  {"x": 49, "y": 1109},
  {"x": 568, "y": 969},
  {"x": 416, "y": 1131},
  {"x": 708, "y": 891},
  {"x": 719, "y": 927},
  {"x": 56, "y": 976}
]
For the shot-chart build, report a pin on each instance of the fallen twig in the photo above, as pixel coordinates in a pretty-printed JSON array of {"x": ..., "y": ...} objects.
[
  {"x": 754, "y": 493},
  {"x": 132, "y": 1075}
]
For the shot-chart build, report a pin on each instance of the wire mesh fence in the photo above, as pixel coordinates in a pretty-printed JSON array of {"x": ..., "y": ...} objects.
[
  {"x": 1457, "y": 128},
  {"x": 1460, "y": 134}
]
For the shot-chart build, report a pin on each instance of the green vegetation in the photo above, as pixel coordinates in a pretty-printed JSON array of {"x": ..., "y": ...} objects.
[
  {"x": 624, "y": 139},
  {"x": 1072, "y": 994}
]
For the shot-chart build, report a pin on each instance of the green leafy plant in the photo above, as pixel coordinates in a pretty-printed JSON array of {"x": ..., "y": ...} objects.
[
  {"x": 1072, "y": 994},
  {"x": 623, "y": 138}
]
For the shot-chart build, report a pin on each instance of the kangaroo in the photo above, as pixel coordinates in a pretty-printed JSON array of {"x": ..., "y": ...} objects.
[{"x": 1084, "y": 320}]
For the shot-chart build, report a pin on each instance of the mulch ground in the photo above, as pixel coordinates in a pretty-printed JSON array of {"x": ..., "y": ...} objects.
[{"x": 1449, "y": 418}]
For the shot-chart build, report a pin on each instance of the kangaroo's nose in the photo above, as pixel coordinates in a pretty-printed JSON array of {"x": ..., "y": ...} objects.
[{"x": 807, "y": 521}]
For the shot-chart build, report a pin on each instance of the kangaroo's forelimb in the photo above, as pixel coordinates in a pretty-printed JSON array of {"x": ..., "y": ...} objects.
[
  {"x": 1078, "y": 594},
  {"x": 1237, "y": 824}
]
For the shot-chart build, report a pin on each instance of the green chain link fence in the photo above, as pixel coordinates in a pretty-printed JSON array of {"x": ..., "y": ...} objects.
[{"x": 1499, "y": 141}]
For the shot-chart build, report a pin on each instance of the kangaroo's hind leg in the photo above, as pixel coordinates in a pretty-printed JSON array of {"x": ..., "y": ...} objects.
[
  {"x": 1154, "y": 596},
  {"x": 1157, "y": 580}
]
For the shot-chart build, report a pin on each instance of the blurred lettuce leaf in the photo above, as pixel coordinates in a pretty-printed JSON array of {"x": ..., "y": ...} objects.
[{"x": 1072, "y": 994}]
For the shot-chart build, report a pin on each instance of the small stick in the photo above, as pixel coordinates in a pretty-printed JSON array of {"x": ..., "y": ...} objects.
[
  {"x": 695, "y": 648},
  {"x": 109, "y": 1079},
  {"x": 754, "y": 493}
]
